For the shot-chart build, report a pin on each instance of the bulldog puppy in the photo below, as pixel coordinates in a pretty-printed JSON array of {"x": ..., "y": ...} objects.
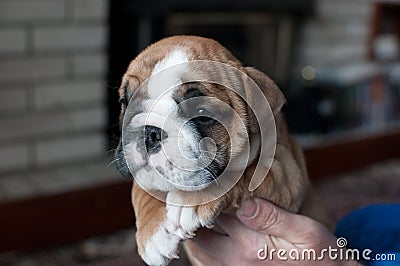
[{"x": 181, "y": 132}]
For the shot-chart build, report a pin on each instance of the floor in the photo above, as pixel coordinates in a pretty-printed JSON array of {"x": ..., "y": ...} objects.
[{"x": 343, "y": 193}]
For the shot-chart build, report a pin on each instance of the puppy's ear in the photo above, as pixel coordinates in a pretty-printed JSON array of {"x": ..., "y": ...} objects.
[
  {"x": 272, "y": 93},
  {"x": 128, "y": 85}
]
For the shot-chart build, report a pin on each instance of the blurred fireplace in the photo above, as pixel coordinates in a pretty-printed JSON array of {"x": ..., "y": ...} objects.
[
  {"x": 256, "y": 38},
  {"x": 260, "y": 33}
]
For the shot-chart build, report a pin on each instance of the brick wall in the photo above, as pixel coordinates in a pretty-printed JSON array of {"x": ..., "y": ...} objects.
[
  {"x": 337, "y": 33},
  {"x": 52, "y": 82}
]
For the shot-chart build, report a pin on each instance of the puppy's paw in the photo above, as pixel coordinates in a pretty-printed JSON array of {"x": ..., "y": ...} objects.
[
  {"x": 180, "y": 224},
  {"x": 161, "y": 248}
]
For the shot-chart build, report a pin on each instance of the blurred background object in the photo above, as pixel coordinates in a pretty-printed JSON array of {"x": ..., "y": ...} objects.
[
  {"x": 259, "y": 33},
  {"x": 55, "y": 186},
  {"x": 61, "y": 62},
  {"x": 53, "y": 65}
]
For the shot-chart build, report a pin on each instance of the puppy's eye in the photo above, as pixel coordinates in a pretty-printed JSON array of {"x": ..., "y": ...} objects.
[
  {"x": 204, "y": 117},
  {"x": 202, "y": 112},
  {"x": 193, "y": 92}
]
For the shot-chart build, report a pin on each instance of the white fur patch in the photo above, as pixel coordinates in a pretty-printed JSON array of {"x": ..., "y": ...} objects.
[
  {"x": 180, "y": 224},
  {"x": 161, "y": 248},
  {"x": 149, "y": 178},
  {"x": 189, "y": 221},
  {"x": 163, "y": 77},
  {"x": 132, "y": 155},
  {"x": 163, "y": 106}
]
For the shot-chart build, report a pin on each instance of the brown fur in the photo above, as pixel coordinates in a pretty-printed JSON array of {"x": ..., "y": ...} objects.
[{"x": 287, "y": 184}]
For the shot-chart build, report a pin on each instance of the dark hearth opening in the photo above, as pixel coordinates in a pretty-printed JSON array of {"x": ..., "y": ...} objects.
[{"x": 260, "y": 33}]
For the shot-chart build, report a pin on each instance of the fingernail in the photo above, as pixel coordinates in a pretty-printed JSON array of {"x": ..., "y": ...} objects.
[{"x": 249, "y": 208}]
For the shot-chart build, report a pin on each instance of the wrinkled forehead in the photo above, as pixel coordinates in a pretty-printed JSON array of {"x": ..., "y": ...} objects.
[
  {"x": 175, "y": 74},
  {"x": 167, "y": 74}
]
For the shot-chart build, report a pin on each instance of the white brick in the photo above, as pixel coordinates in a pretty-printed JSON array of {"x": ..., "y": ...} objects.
[
  {"x": 93, "y": 118},
  {"x": 67, "y": 94},
  {"x": 69, "y": 177},
  {"x": 354, "y": 9},
  {"x": 338, "y": 32},
  {"x": 17, "y": 186},
  {"x": 70, "y": 149},
  {"x": 317, "y": 31},
  {"x": 45, "y": 182},
  {"x": 12, "y": 40},
  {"x": 33, "y": 125},
  {"x": 41, "y": 125},
  {"x": 13, "y": 100},
  {"x": 90, "y": 9},
  {"x": 59, "y": 179},
  {"x": 69, "y": 37},
  {"x": 89, "y": 64},
  {"x": 31, "y": 10},
  {"x": 319, "y": 56},
  {"x": 102, "y": 170},
  {"x": 32, "y": 68},
  {"x": 13, "y": 157}
]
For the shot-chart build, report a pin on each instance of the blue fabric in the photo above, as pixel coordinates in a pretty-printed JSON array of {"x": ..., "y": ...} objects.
[
  {"x": 376, "y": 227},
  {"x": 387, "y": 262}
]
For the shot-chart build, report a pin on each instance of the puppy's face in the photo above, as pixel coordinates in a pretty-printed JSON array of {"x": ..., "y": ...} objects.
[{"x": 180, "y": 132}]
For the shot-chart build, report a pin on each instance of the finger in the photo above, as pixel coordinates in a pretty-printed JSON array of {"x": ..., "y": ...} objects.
[
  {"x": 213, "y": 244},
  {"x": 267, "y": 218},
  {"x": 197, "y": 256},
  {"x": 233, "y": 227}
]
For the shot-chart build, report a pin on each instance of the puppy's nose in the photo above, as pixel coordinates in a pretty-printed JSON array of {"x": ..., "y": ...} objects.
[{"x": 153, "y": 138}]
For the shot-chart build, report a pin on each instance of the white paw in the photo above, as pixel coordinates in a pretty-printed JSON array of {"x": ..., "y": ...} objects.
[
  {"x": 188, "y": 220},
  {"x": 161, "y": 248},
  {"x": 180, "y": 224}
]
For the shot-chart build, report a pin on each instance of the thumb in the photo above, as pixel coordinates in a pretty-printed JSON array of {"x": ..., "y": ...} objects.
[{"x": 266, "y": 218}]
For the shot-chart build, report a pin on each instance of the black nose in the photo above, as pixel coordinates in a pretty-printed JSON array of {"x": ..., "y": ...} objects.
[{"x": 153, "y": 138}]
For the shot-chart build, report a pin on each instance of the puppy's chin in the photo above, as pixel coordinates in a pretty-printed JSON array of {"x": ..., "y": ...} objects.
[
  {"x": 151, "y": 179},
  {"x": 159, "y": 172}
]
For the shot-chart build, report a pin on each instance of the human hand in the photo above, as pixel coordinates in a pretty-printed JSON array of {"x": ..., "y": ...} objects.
[{"x": 261, "y": 227}]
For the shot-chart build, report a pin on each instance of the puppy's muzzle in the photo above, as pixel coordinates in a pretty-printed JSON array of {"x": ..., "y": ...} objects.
[
  {"x": 120, "y": 162},
  {"x": 153, "y": 137}
]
